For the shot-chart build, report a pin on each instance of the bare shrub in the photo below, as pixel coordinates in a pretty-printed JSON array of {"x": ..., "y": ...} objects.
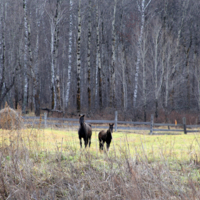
[{"x": 10, "y": 119}]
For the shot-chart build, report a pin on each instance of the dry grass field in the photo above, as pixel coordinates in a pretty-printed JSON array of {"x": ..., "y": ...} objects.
[{"x": 49, "y": 164}]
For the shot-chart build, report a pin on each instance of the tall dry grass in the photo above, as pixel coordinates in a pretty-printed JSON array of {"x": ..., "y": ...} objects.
[{"x": 31, "y": 169}]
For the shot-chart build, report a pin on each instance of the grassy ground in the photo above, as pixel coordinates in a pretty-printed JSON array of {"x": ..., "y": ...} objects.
[
  {"x": 172, "y": 147},
  {"x": 49, "y": 164}
]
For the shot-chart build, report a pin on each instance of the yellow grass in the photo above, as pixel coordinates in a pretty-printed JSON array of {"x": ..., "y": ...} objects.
[{"x": 170, "y": 147}]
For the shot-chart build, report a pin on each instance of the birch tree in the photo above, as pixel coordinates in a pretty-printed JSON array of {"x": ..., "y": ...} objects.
[
  {"x": 69, "y": 53},
  {"x": 142, "y": 8},
  {"x": 98, "y": 78},
  {"x": 78, "y": 95},
  {"x": 112, "y": 68},
  {"x": 55, "y": 19},
  {"x": 88, "y": 57},
  {"x": 25, "y": 93}
]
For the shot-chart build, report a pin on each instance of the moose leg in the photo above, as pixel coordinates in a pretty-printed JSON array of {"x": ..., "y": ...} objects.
[
  {"x": 86, "y": 142},
  {"x": 89, "y": 141},
  {"x": 100, "y": 145},
  {"x": 108, "y": 145},
  {"x": 80, "y": 142}
]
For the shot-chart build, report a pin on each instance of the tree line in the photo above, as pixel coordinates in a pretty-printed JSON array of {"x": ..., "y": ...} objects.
[{"x": 94, "y": 56}]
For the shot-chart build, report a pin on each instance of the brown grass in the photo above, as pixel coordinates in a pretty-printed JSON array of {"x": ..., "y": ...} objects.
[{"x": 31, "y": 169}]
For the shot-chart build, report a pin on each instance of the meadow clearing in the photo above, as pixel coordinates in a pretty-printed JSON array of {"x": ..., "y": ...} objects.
[{"x": 49, "y": 164}]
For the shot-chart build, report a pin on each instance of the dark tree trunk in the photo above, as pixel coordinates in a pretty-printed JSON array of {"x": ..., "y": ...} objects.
[{"x": 37, "y": 103}]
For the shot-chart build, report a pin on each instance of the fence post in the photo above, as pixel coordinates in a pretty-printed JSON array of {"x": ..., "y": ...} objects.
[
  {"x": 115, "y": 121},
  {"x": 151, "y": 126},
  {"x": 184, "y": 125},
  {"x": 45, "y": 119}
]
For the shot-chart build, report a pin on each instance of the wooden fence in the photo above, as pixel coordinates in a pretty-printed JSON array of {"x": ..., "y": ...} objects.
[{"x": 153, "y": 128}]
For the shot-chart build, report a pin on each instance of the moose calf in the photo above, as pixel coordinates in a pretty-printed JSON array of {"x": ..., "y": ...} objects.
[{"x": 105, "y": 136}]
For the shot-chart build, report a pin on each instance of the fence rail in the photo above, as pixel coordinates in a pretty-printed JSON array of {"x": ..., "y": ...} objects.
[{"x": 119, "y": 125}]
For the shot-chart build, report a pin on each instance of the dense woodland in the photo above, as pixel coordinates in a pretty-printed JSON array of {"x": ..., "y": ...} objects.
[{"x": 97, "y": 56}]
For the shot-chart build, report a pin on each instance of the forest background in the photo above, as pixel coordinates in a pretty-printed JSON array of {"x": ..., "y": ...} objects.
[{"x": 139, "y": 57}]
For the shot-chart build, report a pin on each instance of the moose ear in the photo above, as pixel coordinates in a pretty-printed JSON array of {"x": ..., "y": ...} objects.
[
  {"x": 83, "y": 115},
  {"x": 79, "y": 115},
  {"x": 113, "y": 124}
]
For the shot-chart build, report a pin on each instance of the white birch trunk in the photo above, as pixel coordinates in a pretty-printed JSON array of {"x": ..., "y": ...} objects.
[
  {"x": 54, "y": 23},
  {"x": 88, "y": 57},
  {"x": 142, "y": 9},
  {"x": 138, "y": 54},
  {"x": 112, "y": 70},
  {"x": 79, "y": 60},
  {"x": 69, "y": 53},
  {"x": 25, "y": 96},
  {"x": 98, "y": 63}
]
